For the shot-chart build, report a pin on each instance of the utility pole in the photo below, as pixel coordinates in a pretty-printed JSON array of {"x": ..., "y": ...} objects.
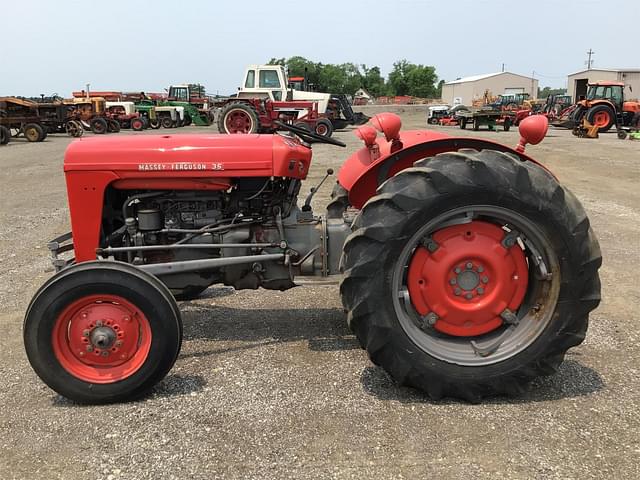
[
  {"x": 589, "y": 61},
  {"x": 503, "y": 67}
]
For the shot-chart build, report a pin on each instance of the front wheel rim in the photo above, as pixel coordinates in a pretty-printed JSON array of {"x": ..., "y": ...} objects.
[
  {"x": 524, "y": 312},
  {"x": 101, "y": 338},
  {"x": 238, "y": 121}
]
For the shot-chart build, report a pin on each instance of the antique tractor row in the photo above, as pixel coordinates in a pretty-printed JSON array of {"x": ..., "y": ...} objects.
[{"x": 467, "y": 269}]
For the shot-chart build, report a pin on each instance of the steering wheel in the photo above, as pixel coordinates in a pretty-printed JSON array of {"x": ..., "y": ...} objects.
[{"x": 306, "y": 135}]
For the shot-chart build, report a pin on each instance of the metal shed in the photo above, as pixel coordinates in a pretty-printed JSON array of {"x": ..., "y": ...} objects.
[
  {"x": 577, "y": 82},
  {"x": 466, "y": 90}
]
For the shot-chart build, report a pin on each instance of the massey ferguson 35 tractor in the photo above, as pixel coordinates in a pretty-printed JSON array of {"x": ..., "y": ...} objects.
[{"x": 468, "y": 270}]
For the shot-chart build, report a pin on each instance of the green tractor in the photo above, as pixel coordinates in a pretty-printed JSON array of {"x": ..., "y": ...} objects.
[{"x": 195, "y": 102}]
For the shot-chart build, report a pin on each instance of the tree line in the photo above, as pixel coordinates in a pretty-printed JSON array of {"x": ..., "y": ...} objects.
[{"x": 406, "y": 78}]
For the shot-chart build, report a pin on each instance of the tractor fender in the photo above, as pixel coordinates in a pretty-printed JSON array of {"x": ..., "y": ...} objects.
[{"x": 363, "y": 173}]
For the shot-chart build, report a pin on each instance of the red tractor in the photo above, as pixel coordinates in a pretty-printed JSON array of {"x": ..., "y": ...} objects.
[{"x": 467, "y": 269}]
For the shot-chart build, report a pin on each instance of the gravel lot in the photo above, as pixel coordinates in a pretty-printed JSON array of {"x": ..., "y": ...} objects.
[{"x": 273, "y": 385}]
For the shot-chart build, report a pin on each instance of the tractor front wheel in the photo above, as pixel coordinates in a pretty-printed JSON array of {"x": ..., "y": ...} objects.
[
  {"x": 102, "y": 332},
  {"x": 238, "y": 118},
  {"x": 489, "y": 272},
  {"x": 137, "y": 124},
  {"x": 98, "y": 126},
  {"x": 113, "y": 126}
]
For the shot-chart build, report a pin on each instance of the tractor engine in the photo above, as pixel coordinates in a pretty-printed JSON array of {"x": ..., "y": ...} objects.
[{"x": 256, "y": 217}]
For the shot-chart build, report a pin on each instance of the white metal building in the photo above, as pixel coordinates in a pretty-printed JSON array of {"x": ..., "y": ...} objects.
[
  {"x": 577, "y": 82},
  {"x": 466, "y": 90}
]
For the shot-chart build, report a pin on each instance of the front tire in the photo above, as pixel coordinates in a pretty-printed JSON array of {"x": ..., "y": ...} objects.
[
  {"x": 238, "y": 117},
  {"x": 98, "y": 125},
  {"x": 438, "y": 233},
  {"x": 602, "y": 116},
  {"x": 101, "y": 332}
]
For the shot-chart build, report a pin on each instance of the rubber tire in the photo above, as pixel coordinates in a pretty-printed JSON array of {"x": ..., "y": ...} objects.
[
  {"x": 439, "y": 184},
  {"x": 463, "y": 123},
  {"x": 187, "y": 120},
  {"x": 248, "y": 109},
  {"x": 507, "y": 124},
  {"x": 98, "y": 126},
  {"x": 113, "y": 125},
  {"x": 166, "y": 122},
  {"x": 142, "y": 289},
  {"x": 137, "y": 124},
  {"x": 327, "y": 124},
  {"x": 339, "y": 201},
  {"x": 33, "y": 132},
  {"x": 154, "y": 124},
  {"x": 5, "y": 135},
  {"x": 602, "y": 108},
  {"x": 145, "y": 122},
  {"x": 476, "y": 125}
]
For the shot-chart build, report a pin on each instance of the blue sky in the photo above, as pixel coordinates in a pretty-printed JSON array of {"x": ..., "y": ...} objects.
[{"x": 59, "y": 46}]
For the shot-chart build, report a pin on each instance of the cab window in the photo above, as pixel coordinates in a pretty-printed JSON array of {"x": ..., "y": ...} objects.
[
  {"x": 251, "y": 79},
  {"x": 269, "y": 79}
]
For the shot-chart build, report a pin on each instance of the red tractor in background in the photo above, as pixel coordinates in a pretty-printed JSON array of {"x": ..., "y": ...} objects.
[{"x": 467, "y": 269}]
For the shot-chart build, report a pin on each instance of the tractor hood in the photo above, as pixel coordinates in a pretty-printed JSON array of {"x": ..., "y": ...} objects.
[{"x": 203, "y": 155}]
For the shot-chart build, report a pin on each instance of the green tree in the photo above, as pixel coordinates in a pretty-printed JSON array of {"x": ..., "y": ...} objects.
[
  {"x": 407, "y": 78},
  {"x": 373, "y": 81},
  {"x": 546, "y": 91}
]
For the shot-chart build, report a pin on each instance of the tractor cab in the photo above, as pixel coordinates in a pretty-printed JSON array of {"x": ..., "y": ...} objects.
[
  {"x": 188, "y": 93},
  {"x": 271, "y": 82},
  {"x": 612, "y": 91}
]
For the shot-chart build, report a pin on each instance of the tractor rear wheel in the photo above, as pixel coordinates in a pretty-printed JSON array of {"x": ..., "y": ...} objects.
[
  {"x": 489, "y": 272},
  {"x": 102, "y": 332},
  {"x": 154, "y": 123},
  {"x": 98, "y": 125},
  {"x": 323, "y": 127},
  {"x": 602, "y": 116},
  {"x": 33, "y": 132},
  {"x": 5, "y": 135},
  {"x": 166, "y": 122},
  {"x": 238, "y": 117}
]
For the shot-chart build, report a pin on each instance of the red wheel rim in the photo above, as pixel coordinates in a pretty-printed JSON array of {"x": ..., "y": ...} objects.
[
  {"x": 101, "y": 338},
  {"x": 601, "y": 119},
  {"x": 321, "y": 129},
  {"x": 468, "y": 277},
  {"x": 238, "y": 121}
]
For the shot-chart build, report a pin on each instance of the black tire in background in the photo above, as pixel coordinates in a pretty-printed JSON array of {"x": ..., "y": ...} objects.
[
  {"x": 145, "y": 291},
  {"x": 323, "y": 127},
  {"x": 99, "y": 126},
  {"x": 435, "y": 188},
  {"x": 154, "y": 124},
  {"x": 166, "y": 122},
  {"x": 33, "y": 132},
  {"x": 113, "y": 125},
  {"x": 238, "y": 108},
  {"x": 5, "y": 135}
]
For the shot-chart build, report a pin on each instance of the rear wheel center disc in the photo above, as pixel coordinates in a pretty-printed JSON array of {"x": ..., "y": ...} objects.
[{"x": 467, "y": 277}]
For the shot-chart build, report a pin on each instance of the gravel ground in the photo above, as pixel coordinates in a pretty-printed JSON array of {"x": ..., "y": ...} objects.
[{"x": 273, "y": 385}]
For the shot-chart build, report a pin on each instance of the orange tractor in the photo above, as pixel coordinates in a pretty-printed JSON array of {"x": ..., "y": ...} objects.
[{"x": 603, "y": 107}]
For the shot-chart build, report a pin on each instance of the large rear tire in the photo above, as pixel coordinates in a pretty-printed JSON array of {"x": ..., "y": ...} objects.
[
  {"x": 5, "y": 135},
  {"x": 238, "y": 117},
  {"x": 101, "y": 332},
  {"x": 33, "y": 132},
  {"x": 602, "y": 116},
  {"x": 489, "y": 272}
]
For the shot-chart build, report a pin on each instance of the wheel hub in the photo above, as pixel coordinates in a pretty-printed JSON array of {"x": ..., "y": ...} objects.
[
  {"x": 465, "y": 277},
  {"x": 100, "y": 338}
]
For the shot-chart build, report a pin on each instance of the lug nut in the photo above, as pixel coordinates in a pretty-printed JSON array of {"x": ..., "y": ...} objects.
[
  {"x": 452, "y": 281},
  {"x": 99, "y": 323},
  {"x": 480, "y": 290},
  {"x": 485, "y": 279},
  {"x": 85, "y": 333},
  {"x": 457, "y": 291},
  {"x": 480, "y": 268},
  {"x": 457, "y": 270},
  {"x": 104, "y": 353},
  {"x": 89, "y": 348},
  {"x": 469, "y": 296},
  {"x": 119, "y": 343},
  {"x": 469, "y": 266}
]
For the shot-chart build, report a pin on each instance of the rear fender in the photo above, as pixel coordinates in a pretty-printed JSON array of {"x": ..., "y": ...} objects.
[{"x": 361, "y": 176}]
